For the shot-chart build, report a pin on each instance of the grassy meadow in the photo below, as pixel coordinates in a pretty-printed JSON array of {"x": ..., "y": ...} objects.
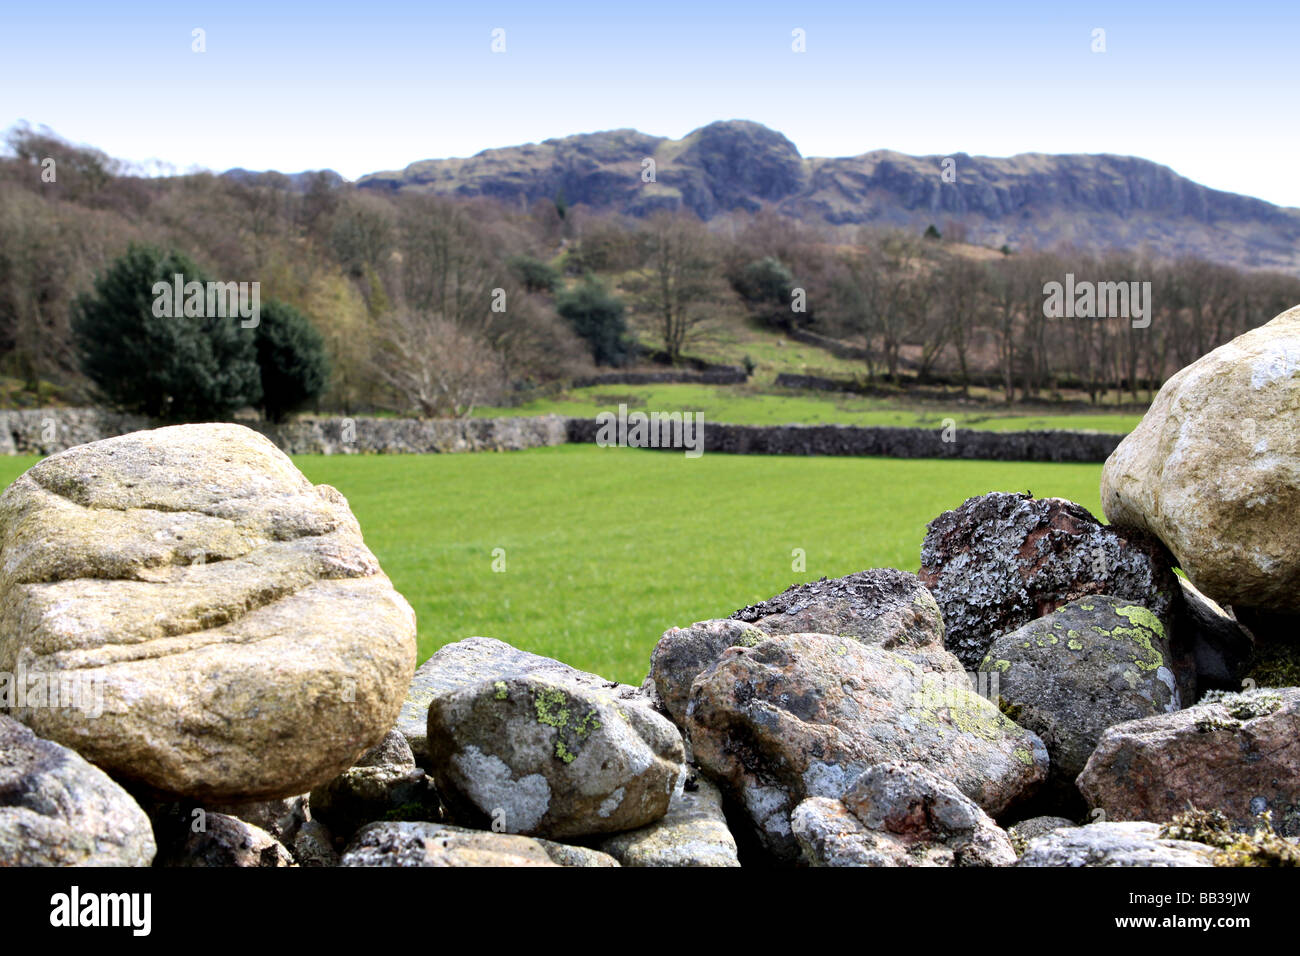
[
  {"x": 749, "y": 405},
  {"x": 605, "y": 548}
]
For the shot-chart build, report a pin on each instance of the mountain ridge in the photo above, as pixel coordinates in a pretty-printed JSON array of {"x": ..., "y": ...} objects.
[{"x": 1093, "y": 200}]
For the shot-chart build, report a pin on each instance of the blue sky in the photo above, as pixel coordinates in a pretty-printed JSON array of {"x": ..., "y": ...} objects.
[{"x": 1207, "y": 88}]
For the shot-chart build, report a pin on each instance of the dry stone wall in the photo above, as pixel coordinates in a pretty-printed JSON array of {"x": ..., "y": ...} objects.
[{"x": 45, "y": 431}]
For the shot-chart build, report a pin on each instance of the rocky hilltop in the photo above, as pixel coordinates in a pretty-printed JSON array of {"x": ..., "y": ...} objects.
[{"x": 1032, "y": 199}]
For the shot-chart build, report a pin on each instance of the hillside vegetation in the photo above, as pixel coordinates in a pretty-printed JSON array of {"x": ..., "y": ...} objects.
[{"x": 462, "y": 299}]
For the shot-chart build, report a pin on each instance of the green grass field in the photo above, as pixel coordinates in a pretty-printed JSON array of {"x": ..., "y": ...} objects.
[
  {"x": 747, "y": 405},
  {"x": 606, "y": 548}
]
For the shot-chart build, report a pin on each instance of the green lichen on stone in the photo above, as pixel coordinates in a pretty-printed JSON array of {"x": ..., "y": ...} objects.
[
  {"x": 1212, "y": 828},
  {"x": 1142, "y": 617},
  {"x": 972, "y": 714},
  {"x": 1074, "y": 644},
  {"x": 1018, "y": 842},
  {"x": 1244, "y": 706},
  {"x": 747, "y": 640},
  {"x": 1024, "y": 756},
  {"x": 555, "y": 709},
  {"x": 552, "y": 708},
  {"x": 502, "y": 691},
  {"x": 1144, "y": 624}
]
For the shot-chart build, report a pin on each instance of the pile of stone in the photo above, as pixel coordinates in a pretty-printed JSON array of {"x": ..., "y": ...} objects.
[{"x": 1048, "y": 691}]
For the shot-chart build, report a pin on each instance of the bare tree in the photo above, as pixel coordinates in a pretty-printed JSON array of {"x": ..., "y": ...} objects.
[
  {"x": 679, "y": 287},
  {"x": 434, "y": 366}
]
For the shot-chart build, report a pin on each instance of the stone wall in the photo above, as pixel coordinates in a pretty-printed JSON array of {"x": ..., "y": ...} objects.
[
  {"x": 45, "y": 431},
  {"x": 891, "y": 442},
  {"x": 716, "y": 376}
]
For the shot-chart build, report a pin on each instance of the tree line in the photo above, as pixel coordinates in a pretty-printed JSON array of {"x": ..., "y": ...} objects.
[{"x": 435, "y": 306}]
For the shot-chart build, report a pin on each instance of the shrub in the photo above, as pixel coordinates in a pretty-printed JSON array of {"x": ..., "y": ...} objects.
[
  {"x": 178, "y": 368},
  {"x": 291, "y": 358},
  {"x": 534, "y": 274},
  {"x": 598, "y": 317}
]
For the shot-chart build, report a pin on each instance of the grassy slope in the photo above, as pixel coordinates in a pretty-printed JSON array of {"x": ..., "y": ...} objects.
[
  {"x": 606, "y": 548},
  {"x": 744, "y": 405}
]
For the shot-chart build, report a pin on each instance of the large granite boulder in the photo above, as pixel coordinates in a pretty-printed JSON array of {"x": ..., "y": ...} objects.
[
  {"x": 1236, "y": 753},
  {"x": 802, "y": 715},
  {"x": 1002, "y": 560},
  {"x": 235, "y": 636},
  {"x": 1089, "y": 665},
  {"x": 899, "y": 814},
  {"x": 543, "y": 749},
  {"x": 1213, "y": 469},
  {"x": 58, "y": 810}
]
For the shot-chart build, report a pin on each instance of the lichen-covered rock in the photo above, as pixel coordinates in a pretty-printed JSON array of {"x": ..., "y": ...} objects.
[
  {"x": 313, "y": 845},
  {"x": 477, "y": 659},
  {"x": 683, "y": 652},
  {"x": 899, "y": 814},
  {"x": 693, "y": 833},
  {"x": 885, "y": 607},
  {"x": 1114, "y": 844},
  {"x": 1089, "y": 665},
  {"x": 236, "y": 637},
  {"x": 1213, "y": 469},
  {"x": 228, "y": 841},
  {"x": 1217, "y": 647},
  {"x": 410, "y": 844},
  {"x": 1237, "y": 753},
  {"x": 1002, "y": 560},
  {"x": 546, "y": 751},
  {"x": 803, "y": 715},
  {"x": 58, "y": 810}
]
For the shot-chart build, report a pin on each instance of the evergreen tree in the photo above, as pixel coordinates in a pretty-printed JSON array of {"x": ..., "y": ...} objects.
[
  {"x": 292, "y": 359},
  {"x": 165, "y": 366},
  {"x": 598, "y": 317}
]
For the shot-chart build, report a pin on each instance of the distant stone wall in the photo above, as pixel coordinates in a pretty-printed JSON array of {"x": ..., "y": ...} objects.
[
  {"x": 891, "y": 442},
  {"x": 834, "y": 346},
  {"x": 814, "y": 382},
  {"x": 46, "y": 431},
  {"x": 396, "y": 436},
  {"x": 718, "y": 376}
]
